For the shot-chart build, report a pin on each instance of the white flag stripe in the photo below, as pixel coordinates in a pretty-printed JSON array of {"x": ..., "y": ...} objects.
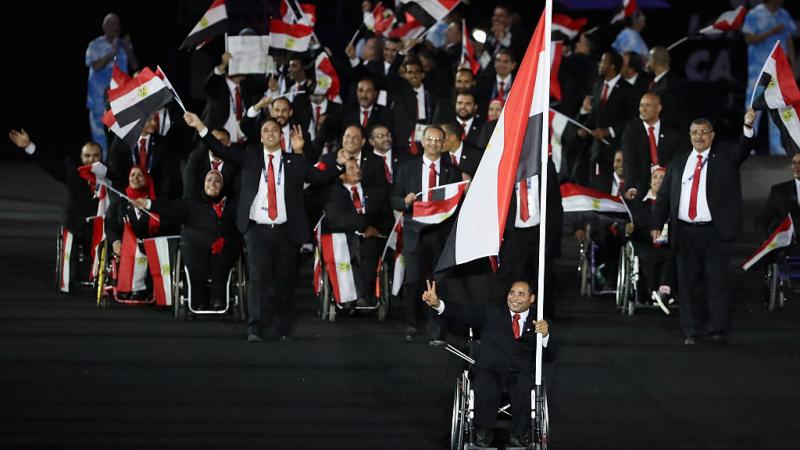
[
  {"x": 437, "y": 10},
  {"x": 577, "y": 203},
  {"x": 344, "y": 269},
  {"x": 66, "y": 254},
  {"x": 541, "y": 90},
  {"x": 211, "y": 17},
  {"x": 139, "y": 271},
  {"x": 136, "y": 95},
  {"x": 399, "y": 274}
]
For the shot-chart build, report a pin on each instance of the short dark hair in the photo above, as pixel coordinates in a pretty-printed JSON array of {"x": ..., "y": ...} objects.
[
  {"x": 394, "y": 40},
  {"x": 367, "y": 79},
  {"x": 356, "y": 126},
  {"x": 635, "y": 61},
  {"x": 615, "y": 59},
  {"x": 464, "y": 69},
  {"x": 412, "y": 60},
  {"x": 286, "y": 99},
  {"x": 372, "y": 128},
  {"x": 452, "y": 128},
  {"x": 466, "y": 92},
  {"x": 268, "y": 119},
  {"x": 703, "y": 121},
  {"x": 506, "y": 51}
]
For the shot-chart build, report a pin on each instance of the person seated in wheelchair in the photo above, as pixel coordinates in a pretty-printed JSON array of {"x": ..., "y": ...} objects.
[
  {"x": 353, "y": 208},
  {"x": 210, "y": 242},
  {"x": 122, "y": 217},
  {"x": 82, "y": 193},
  {"x": 781, "y": 202},
  {"x": 657, "y": 262},
  {"x": 607, "y": 229},
  {"x": 506, "y": 358}
]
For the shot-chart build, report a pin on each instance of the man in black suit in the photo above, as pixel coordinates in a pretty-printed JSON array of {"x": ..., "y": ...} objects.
[
  {"x": 633, "y": 72},
  {"x": 155, "y": 154},
  {"x": 606, "y": 114},
  {"x": 352, "y": 207},
  {"x": 506, "y": 359},
  {"x": 380, "y": 138},
  {"x": 670, "y": 87},
  {"x": 463, "y": 156},
  {"x": 701, "y": 196},
  {"x": 281, "y": 110},
  {"x": 271, "y": 215},
  {"x": 366, "y": 112},
  {"x": 353, "y": 141},
  {"x": 647, "y": 144},
  {"x": 203, "y": 160},
  {"x": 412, "y": 107},
  {"x": 577, "y": 71},
  {"x": 782, "y": 201},
  {"x": 228, "y": 97},
  {"x": 421, "y": 249},
  {"x": 497, "y": 83},
  {"x": 466, "y": 109}
]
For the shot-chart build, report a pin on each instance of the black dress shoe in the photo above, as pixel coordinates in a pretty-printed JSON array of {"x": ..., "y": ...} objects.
[
  {"x": 252, "y": 338},
  {"x": 719, "y": 338},
  {"x": 410, "y": 332},
  {"x": 690, "y": 340},
  {"x": 519, "y": 441},
  {"x": 484, "y": 438}
]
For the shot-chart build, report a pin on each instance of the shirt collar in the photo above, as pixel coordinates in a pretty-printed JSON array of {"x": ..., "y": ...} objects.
[
  {"x": 650, "y": 196},
  {"x": 458, "y": 151},
  {"x": 427, "y": 162},
  {"x": 656, "y": 126},
  {"x": 632, "y": 80},
  {"x": 613, "y": 82},
  {"x": 388, "y": 154},
  {"x": 506, "y": 80},
  {"x": 523, "y": 316}
]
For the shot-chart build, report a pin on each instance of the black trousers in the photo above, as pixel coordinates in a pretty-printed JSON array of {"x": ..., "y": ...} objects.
[
  {"x": 369, "y": 250},
  {"x": 419, "y": 264},
  {"x": 202, "y": 265},
  {"x": 488, "y": 386},
  {"x": 658, "y": 266},
  {"x": 272, "y": 268},
  {"x": 702, "y": 262}
]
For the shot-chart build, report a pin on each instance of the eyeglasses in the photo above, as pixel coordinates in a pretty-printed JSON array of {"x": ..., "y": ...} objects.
[
  {"x": 433, "y": 139},
  {"x": 380, "y": 135},
  {"x": 696, "y": 133}
]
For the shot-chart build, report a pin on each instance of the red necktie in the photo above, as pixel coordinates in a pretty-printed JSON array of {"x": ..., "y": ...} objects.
[
  {"x": 272, "y": 197},
  {"x": 620, "y": 188},
  {"x": 215, "y": 165},
  {"x": 218, "y": 207},
  {"x": 238, "y": 99},
  {"x": 283, "y": 143},
  {"x": 143, "y": 154},
  {"x": 604, "y": 97},
  {"x": 515, "y": 326},
  {"x": 386, "y": 170},
  {"x": 318, "y": 112},
  {"x": 364, "y": 120},
  {"x": 501, "y": 91},
  {"x": 357, "y": 200},
  {"x": 431, "y": 179},
  {"x": 453, "y": 159},
  {"x": 652, "y": 85},
  {"x": 695, "y": 187},
  {"x": 653, "y": 147},
  {"x": 524, "y": 213}
]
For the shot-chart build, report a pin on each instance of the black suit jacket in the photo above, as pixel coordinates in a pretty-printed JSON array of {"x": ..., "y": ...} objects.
[
  {"x": 163, "y": 165},
  {"x": 218, "y": 97},
  {"x": 674, "y": 97},
  {"x": 198, "y": 167},
  {"x": 201, "y": 226},
  {"x": 408, "y": 179},
  {"x": 620, "y": 107},
  {"x": 577, "y": 74},
  {"x": 118, "y": 212},
  {"x": 296, "y": 171},
  {"x": 404, "y": 118},
  {"x": 371, "y": 167},
  {"x": 723, "y": 189},
  {"x": 636, "y": 152},
  {"x": 469, "y": 160},
  {"x": 341, "y": 215},
  {"x": 641, "y": 86},
  {"x": 499, "y": 351},
  {"x": 782, "y": 201},
  {"x": 80, "y": 198}
]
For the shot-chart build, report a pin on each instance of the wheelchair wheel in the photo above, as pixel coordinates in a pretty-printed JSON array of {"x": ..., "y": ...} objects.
[
  {"x": 458, "y": 422},
  {"x": 322, "y": 298},
  {"x": 622, "y": 281},
  {"x": 386, "y": 293},
  {"x": 178, "y": 284},
  {"x": 102, "y": 273},
  {"x": 773, "y": 285},
  {"x": 583, "y": 271},
  {"x": 541, "y": 421},
  {"x": 59, "y": 256},
  {"x": 241, "y": 291}
]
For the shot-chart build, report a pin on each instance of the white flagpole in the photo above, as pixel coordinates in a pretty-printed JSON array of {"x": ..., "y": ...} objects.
[
  {"x": 579, "y": 125},
  {"x": 172, "y": 88},
  {"x": 678, "y": 42},
  {"x": 540, "y": 297},
  {"x": 108, "y": 186}
]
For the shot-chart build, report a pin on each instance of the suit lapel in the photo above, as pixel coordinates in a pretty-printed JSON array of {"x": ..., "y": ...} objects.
[{"x": 416, "y": 177}]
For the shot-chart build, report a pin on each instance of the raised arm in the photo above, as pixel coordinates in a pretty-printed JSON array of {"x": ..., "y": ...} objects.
[{"x": 232, "y": 153}]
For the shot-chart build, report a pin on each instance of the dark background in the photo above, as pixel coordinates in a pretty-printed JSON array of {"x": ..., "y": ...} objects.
[{"x": 45, "y": 45}]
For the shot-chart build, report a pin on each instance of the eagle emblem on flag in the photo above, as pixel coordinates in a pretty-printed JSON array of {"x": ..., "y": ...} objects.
[
  {"x": 343, "y": 267},
  {"x": 595, "y": 203},
  {"x": 141, "y": 91},
  {"x": 203, "y": 22},
  {"x": 165, "y": 269},
  {"x": 289, "y": 43}
]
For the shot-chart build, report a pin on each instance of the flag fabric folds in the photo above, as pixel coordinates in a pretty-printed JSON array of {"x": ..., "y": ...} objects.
[
  {"x": 727, "y": 21},
  {"x": 556, "y": 53},
  {"x": 558, "y": 123},
  {"x": 777, "y": 79},
  {"x": 336, "y": 258},
  {"x": 627, "y": 10},
  {"x": 327, "y": 80},
  {"x": 66, "y": 254},
  {"x": 513, "y": 153},
  {"x": 576, "y": 198},
  {"x": 394, "y": 242},
  {"x": 780, "y": 238},
  {"x": 467, "y": 50},
  {"x": 441, "y": 202},
  {"x": 290, "y": 37},
  {"x": 380, "y": 19},
  {"x": 213, "y": 23},
  {"x": 138, "y": 98},
  {"x": 428, "y": 12},
  {"x": 567, "y": 26},
  {"x": 411, "y": 29},
  {"x": 789, "y": 125},
  {"x": 132, "y": 264},
  {"x": 159, "y": 260},
  {"x": 293, "y": 12}
]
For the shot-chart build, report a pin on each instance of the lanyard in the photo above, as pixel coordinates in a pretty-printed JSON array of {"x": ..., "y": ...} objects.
[
  {"x": 701, "y": 170},
  {"x": 135, "y": 156},
  {"x": 265, "y": 171}
]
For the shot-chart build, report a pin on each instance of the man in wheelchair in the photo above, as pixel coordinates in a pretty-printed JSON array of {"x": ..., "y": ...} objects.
[{"x": 506, "y": 359}]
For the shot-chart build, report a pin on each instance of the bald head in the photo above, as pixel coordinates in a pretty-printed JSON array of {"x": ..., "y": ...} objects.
[
  {"x": 650, "y": 108},
  {"x": 111, "y": 26},
  {"x": 658, "y": 60}
]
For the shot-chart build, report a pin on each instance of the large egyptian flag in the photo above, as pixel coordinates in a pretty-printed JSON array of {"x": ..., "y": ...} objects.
[
  {"x": 777, "y": 79},
  {"x": 727, "y": 21},
  {"x": 428, "y": 12},
  {"x": 290, "y": 37},
  {"x": 138, "y": 98},
  {"x": 336, "y": 257},
  {"x": 780, "y": 238},
  {"x": 789, "y": 125},
  {"x": 513, "y": 154},
  {"x": 159, "y": 253},
  {"x": 213, "y": 23},
  {"x": 576, "y": 198}
]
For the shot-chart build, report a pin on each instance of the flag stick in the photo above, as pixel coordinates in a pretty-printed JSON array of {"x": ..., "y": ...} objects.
[
  {"x": 678, "y": 42},
  {"x": 171, "y": 88},
  {"x": 439, "y": 187},
  {"x": 108, "y": 186},
  {"x": 358, "y": 30},
  {"x": 592, "y": 30},
  {"x": 763, "y": 69},
  {"x": 543, "y": 175},
  {"x": 580, "y": 125}
]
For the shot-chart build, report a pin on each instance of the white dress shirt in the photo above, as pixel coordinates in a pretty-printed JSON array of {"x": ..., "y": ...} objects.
[
  {"x": 703, "y": 212},
  {"x": 615, "y": 185},
  {"x": 259, "y": 210},
  {"x": 796, "y": 187},
  {"x": 523, "y": 316},
  {"x": 533, "y": 203},
  {"x": 421, "y": 113},
  {"x": 286, "y": 132}
]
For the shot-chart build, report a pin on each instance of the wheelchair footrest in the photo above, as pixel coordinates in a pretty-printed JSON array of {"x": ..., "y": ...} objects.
[{"x": 475, "y": 447}]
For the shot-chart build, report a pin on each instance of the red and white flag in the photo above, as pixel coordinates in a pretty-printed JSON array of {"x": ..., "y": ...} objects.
[
  {"x": 95, "y": 174},
  {"x": 317, "y": 280},
  {"x": 394, "y": 242},
  {"x": 777, "y": 79},
  {"x": 118, "y": 77},
  {"x": 213, "y": 23},
  {"x": 66, "y": 254},
  {"x": 576, "y": 198},
  {"x": 567, "y": 26},
  {"x": 138, "y": 98},
  {"x": 440, "y": 203},
  {"x": 467, "y": 50},
  {"x": 780, "y": 238},
  {"x": 132, "y": 263},
  {"x": 513, "y": 154},
  {"x": 98, "y": 235},
  {"x": 558, "y": 123},
  {"x": 556, "y": 53},
  {"x": 428, "y": 12},
  {"x": 380, "y": 19},
  {"x": 159, "y": 260},
  {"x": 627, "y": 10},
  {"x": 293, "y": 12},
  {"x": 290, "y": 37},
  {"x": 727, "y": 21},
  {"x": 327, "y": 79},
  {"x": 789, "y": 125},
  {"x": 336, "y": 257},
  {"x": 410, "y": 29}
]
